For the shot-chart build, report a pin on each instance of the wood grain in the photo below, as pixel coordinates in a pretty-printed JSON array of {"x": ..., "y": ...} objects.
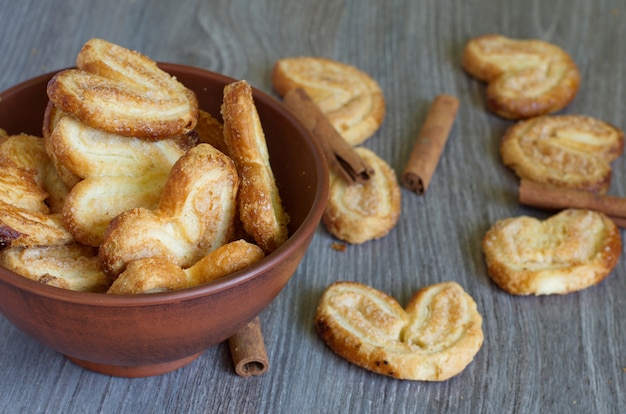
[{"x": 547, "y": 354}]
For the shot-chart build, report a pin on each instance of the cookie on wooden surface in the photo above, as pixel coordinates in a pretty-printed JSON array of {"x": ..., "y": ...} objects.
[
  {"x": 525, "y": 78},
  {"x": 353, "y": 101},
  {"x": 571, "y": 151},
  {"x": 359, "y": 212},
  {"x": 570, "y": 251},
  {"x": 433, "y": 339}
]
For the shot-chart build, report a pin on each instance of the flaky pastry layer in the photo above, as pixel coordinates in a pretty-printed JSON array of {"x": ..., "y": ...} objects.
[
  {"x": 525, "y": 78},
  {"x": 359, "y": 212},
  {"x": 195, "y": 215},
  {"x": 124, "y": 92},
  {"x": 157, "y": 274},
  {"x": 27, "y": 182},
  {"x": 72, "y": 266},
  {"x": 106, "y": 173},
  {"x": 568, "y": 252},
  {"x": 260, "y": 206},
  {"x": 433, "y": 339},
  {"x": 571, "y": 151},
  {"x": 351, "y": 99}
]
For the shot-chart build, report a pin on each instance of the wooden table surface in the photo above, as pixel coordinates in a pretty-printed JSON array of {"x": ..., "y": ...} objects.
[{"x": 540, "y": 354}]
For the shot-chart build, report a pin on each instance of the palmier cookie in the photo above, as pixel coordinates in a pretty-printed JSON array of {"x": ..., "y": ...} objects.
[
  {"x": 570, "y": 151},
  {"x": 80, "y": 151},
  {"x": 359, "y": 212},
  {"x": 124, "y": 92},
  {"x": 72, "y": 266},
  {"x": 260, "y": 206},
  {"x": 352, "y": 101},
  {"x": 433, "y": 339},
  {"x": 525, "y": 78},
  {"x": 107, "y": 173},
  {"x": 23, "y": 162},
  {"x": 156, "y": 274},
  {"x": 25, "y": 218},
  {"x": 28, "y": 178},
  {"x": 570, "y": 251},
  {"x": 195, "y": 215}
]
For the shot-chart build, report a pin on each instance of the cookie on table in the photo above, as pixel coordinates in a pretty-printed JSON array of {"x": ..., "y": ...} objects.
[
  {"x": 434, "y": 338},
  {"x": 568, "y": 252},
  {"x": 525, "y": 78},
  {"x": 569, "y": 151},
  {"x": 353, "y": 101},
  {"x": 359, "y": 212}
]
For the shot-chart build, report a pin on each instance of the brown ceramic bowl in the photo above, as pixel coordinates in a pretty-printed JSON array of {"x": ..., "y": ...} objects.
[{"x": 145, "y": 335}]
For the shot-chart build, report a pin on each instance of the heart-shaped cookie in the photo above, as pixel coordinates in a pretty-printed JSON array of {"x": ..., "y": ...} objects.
[
  {"x": 435, "y": 338},
  {"x": 353, "y": 102},
  {"x": 69, "y": 266},
  {"x": 569, "y": 251},
  {"x": 124, "y": 92},
  {"x": 525, "y": 78},
  {"x": 196, "y": 214},
  {"x": 157, "y": 274},
  {"x": 571, "y": 151},
  {"x": 106, "y": 173}
]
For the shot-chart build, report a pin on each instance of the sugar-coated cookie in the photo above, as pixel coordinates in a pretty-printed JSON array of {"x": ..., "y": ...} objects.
[
  {"x": 351, "y": 99},
  {"x": 571, "y": 151},
  {"x": 525, "y": 78},
  {"x": 433, "y": 339},
  {"x": 570, "y": 251},
  {"x": 359, "y": 212}
]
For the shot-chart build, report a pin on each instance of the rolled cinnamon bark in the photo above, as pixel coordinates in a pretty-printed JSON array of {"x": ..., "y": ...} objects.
[
  {"x": 556, "y": 198},
  {"x": 429, "y": 144},
  {"x": 340, "y": 155},
  {"x": 247, "y": 349}
]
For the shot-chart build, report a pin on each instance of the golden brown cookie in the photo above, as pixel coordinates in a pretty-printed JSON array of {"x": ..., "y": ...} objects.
[
  {"x": 353, "y": 101},
  {"x": 570, "y": 251},
  {"x": 23, "y": 160},
  {"x": 260, "y": 206},
  {"x": 108, "y": 173},
  {"x": 88, "y": 152},
  {"x": 22, "y": 227},
  {"x": 156, "y": 274},
  {"x": 25, "y": 217},
  {"x": 124, "y": 92},
  {"x": 359, "y": 212},
  {"x": 571, "y": 151},
  {"x": 71, "y": 266},
  {"x": 195, "y": 215},
  {"x": 434, "y": 338},
  {"x": 525, "y": 78}
]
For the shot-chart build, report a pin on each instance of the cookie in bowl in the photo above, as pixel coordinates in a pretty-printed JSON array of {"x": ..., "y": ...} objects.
[{"x": 123, "y": 334}]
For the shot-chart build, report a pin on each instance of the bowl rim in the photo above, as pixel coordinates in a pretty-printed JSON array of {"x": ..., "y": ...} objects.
[{"x": 227, "y": 282}]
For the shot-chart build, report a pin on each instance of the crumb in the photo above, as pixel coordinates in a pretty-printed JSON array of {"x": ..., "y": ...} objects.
[{"x": 339, "y": 247}]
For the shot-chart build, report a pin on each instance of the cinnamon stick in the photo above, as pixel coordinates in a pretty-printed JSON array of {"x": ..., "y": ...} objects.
[
  {"x": 555, "y": 198},
  {"x": 340, "y": 155},
  {"x": 247, "y": 349},
  {"x": 429, "y": 144}
]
